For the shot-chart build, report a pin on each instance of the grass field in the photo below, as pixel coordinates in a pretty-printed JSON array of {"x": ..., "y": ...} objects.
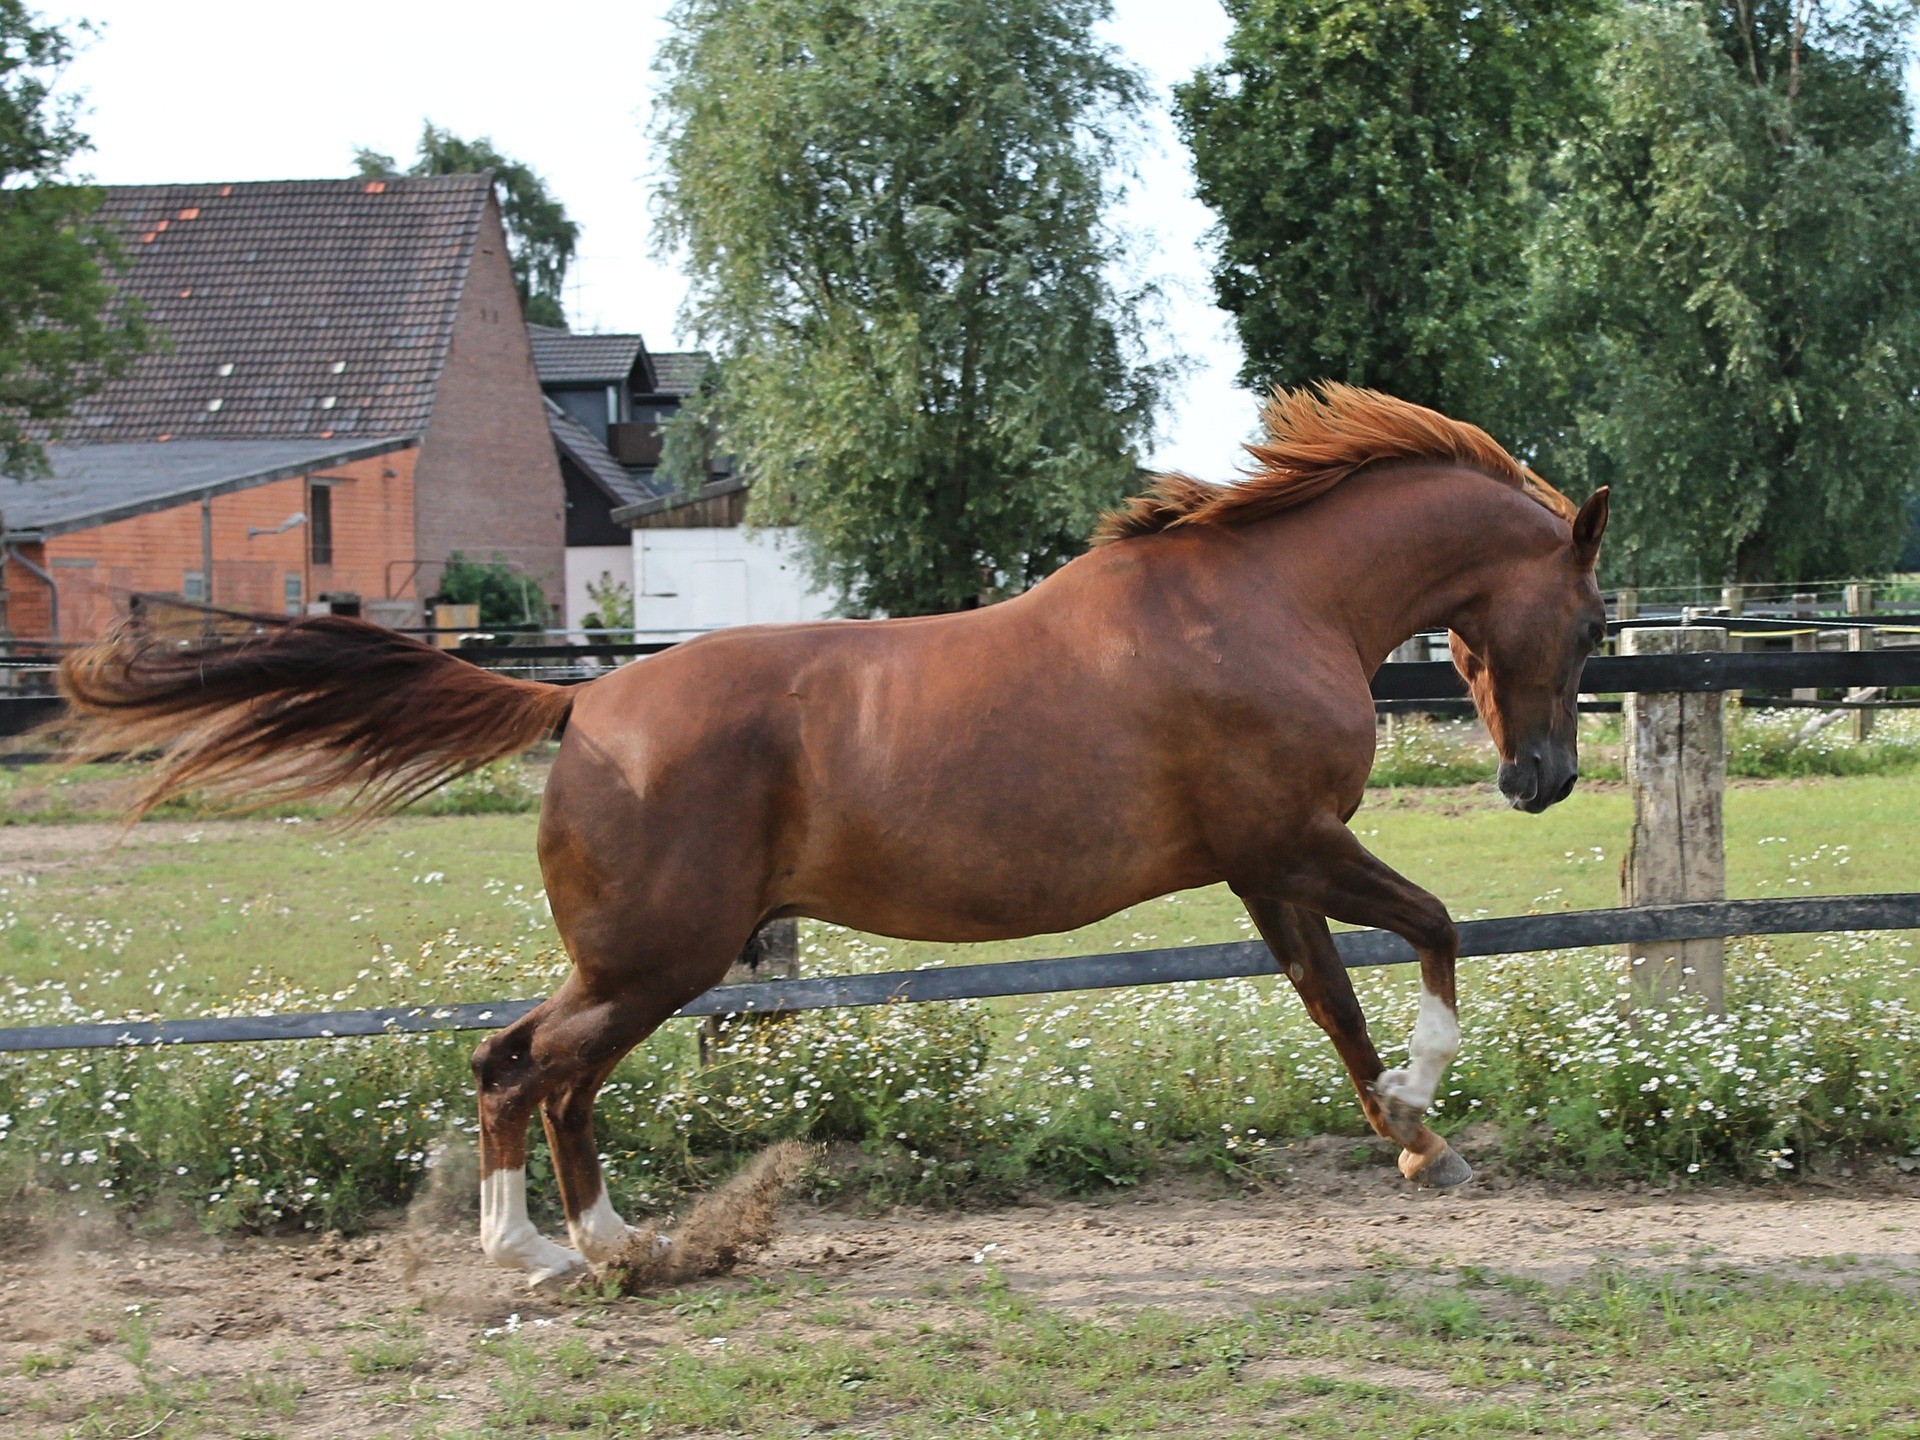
[
  {"x": 1387, "y": 1359},
  {"x": 1819, "y": 1055},
  {"x": 204, "y": 909}
]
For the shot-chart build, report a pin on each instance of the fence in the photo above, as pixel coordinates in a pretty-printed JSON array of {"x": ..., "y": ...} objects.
[
  {"x": 1403, "y": 685},
  {"x": 1359, "y": 949}
]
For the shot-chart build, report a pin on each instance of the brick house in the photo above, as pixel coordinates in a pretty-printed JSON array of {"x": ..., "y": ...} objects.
[
  {"x": 607, "y": 397},
  {"x": 346, "y": 397},
  {"x": 692, "y": 563}
]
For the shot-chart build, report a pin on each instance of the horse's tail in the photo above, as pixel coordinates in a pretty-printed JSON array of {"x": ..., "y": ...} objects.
[{"x": 294, "y": 708}]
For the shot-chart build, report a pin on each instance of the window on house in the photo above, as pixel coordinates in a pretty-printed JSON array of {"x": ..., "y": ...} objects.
[
  {"x": 295, "y": 599},
  {"x": 320, "y": 524},
  {"x": 193, "y": 586}
]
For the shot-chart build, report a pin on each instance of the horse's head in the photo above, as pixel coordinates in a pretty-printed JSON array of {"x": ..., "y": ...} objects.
[{"x": 1521, "y": 651}]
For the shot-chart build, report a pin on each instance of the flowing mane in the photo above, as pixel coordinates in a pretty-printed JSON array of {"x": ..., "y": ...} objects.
[{"x": 1315, "y": 439}]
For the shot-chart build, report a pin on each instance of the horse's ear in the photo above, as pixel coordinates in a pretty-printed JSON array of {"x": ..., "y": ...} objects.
[{"x": 1589, "y": 525}]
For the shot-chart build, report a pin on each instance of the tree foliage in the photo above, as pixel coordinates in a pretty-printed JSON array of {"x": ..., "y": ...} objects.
[
  {"x": 64, "y": 329},
  {"x": 540, "y": 238},
  {"x": 1670, "y": 245},
  {"x": 1362, "y": 158},
  {"x": 892, "y": 215},
  {"x": 508, "y": 597},
  {"x": 1727, "y": 285}
]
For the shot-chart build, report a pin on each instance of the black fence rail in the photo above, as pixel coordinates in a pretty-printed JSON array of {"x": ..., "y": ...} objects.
[
  {"x": 1403, "y": 685},
  {"x": 1518, "y": 934},
  {"x": 1674, "y": 674}
]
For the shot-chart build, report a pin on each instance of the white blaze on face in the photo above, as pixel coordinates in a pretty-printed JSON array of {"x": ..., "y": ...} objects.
[
  {"x": 1436, "y": 1040},
  {"x": 508, "y": 1237},
  {"x": 598, "y": 1232}
]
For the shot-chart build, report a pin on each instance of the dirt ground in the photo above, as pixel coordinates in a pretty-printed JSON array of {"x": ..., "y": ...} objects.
[
  {"x": 219, "y": 1312},
  {"x": 40, "y": 850}
]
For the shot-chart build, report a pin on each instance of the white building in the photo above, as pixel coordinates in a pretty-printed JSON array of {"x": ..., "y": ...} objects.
[
  {"x": 696, "y": 567},
  {"x": 691, "y": 563}
]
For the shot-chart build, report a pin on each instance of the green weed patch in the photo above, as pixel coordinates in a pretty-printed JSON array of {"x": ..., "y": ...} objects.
[{"x": 1815, "y": 1062}]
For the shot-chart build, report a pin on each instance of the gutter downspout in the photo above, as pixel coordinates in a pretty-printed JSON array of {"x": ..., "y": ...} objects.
[
  {"x": 206, "y": 549},
  {"x": 53, "y": 590}
]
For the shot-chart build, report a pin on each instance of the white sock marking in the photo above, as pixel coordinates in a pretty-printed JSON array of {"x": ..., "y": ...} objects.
[
  {"x": 598, "y": 1232},
  {"x": 507, "y": 1236},
  {"x": 1436, "y": 1040}
]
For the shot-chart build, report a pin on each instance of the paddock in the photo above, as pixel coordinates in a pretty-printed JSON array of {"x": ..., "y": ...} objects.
[
  {"x": 1327, "y": 1295},
  {"x": 1298, "y": 1280}
]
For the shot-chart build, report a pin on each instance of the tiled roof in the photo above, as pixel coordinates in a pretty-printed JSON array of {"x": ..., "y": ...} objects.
[
  {"x": 622, "y": 486},
  {"x": 679, "y": 372},
  {"x": 563, "y": 358},
  {"x": 316, "y": 308},
  {"x": 94, "y": 484}
]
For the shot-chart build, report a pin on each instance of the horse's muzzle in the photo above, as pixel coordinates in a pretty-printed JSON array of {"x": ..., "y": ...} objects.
[{"x": 1533, "y": 781}]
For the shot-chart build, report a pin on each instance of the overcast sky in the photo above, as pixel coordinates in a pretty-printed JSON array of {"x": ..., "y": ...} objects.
[{"x": 196, "y": 90}]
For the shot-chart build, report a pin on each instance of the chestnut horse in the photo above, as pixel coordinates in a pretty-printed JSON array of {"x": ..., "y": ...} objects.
[{"x": 1184, "y": 705}]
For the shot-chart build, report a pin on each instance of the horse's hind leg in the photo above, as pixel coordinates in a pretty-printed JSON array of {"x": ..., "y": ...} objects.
[
  {"x": 512, "y": 1070},
  {"x": 555, "y": 1058},
  {"x": 566, "y": 1110},
  {"x": 596, "y": 1229},
  {"x": 655, "y": 855}
]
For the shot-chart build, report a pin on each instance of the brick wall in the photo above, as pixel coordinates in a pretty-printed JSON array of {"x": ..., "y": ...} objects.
[
  {"x": 488, "y": 480},
  {"x": 373, "y": 548},
  {"x": 29, "y": 607}
]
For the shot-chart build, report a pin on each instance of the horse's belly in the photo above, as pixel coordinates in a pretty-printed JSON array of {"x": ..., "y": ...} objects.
[{"x": 991, "y": 883}]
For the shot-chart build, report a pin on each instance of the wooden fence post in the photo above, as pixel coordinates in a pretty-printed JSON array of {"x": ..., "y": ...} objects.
[
  {"x": 1803, "y": 607},
  {"x": 772, "y": 954},
  {"x": 1859, "y": 606},
  {"x": 1733, "y": 600},
  {"x": 1676, "y": 767},
  {"x": 1861, "y": 638},
  {"x": 1626, "y": 604}
]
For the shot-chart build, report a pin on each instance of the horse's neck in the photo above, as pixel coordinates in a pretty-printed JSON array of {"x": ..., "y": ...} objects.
[{"x": 1410, "y": 548}]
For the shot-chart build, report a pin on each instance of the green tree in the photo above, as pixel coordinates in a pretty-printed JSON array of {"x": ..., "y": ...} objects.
[
  {"x": 891, "y": 211},
  {"x": 64, "y": 329},
  {"x": 1366, "y": 161},
  {"x": 1728, "y": 290},
  {"x": 540, "y": 238},
  {"x": 508, "y": 597}
]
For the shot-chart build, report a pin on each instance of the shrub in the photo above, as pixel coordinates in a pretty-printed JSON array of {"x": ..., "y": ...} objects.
[
  {"x": 1764, "y": 745},
  {"x": 1761, "y": 745},
  {"x": 504, "y": 787}
]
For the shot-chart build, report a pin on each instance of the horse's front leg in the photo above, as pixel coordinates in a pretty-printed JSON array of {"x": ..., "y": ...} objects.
[{"x": 1342, "y": 880}]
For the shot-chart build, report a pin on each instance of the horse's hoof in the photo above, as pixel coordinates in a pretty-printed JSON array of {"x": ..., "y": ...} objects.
[
  {"x": 561, "y": 1271},
  {"x": 1441, "y": 1169},
  {"x": 603, "y": 1249}
]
